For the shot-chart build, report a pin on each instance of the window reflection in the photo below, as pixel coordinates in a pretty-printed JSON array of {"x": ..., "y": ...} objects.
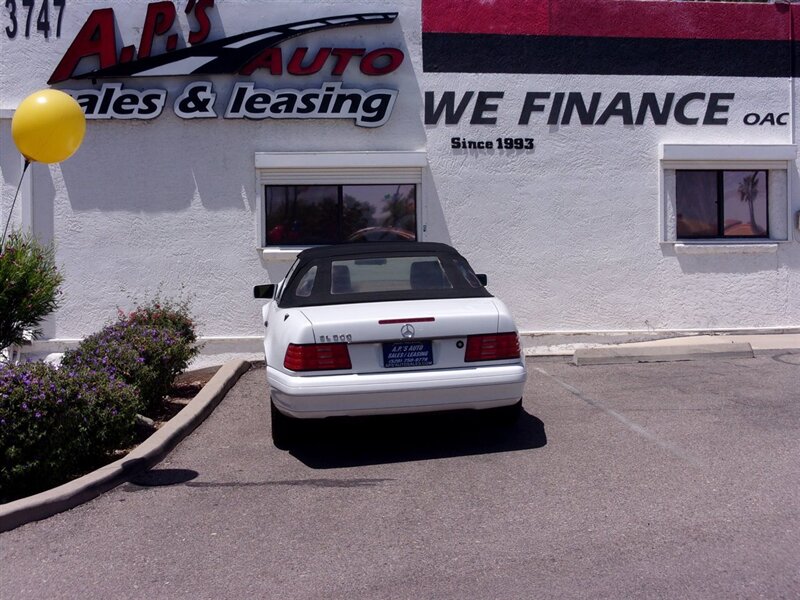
[
  {"x": 377, "y": 213},
  {"x": 302, "y": 214},
  {"x": 329, "y": 214},
  {"x": 716, "y": 204},
  {"x": 745, "y": 194}
]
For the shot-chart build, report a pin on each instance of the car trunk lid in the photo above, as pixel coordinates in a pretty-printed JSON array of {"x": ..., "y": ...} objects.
[{"x": 404, "y": 335}]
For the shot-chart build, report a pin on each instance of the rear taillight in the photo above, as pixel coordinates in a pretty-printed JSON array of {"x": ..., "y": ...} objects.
[
  {"x": 495, "y": 346},
  {"x": 317, "y": 357}
]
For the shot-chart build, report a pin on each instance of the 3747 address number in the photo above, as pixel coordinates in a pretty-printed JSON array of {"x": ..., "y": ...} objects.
[{"x": 20, "y": 12}]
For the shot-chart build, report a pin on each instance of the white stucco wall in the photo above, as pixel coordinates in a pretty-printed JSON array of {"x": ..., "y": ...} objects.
[{"x": 568, "y": 232}]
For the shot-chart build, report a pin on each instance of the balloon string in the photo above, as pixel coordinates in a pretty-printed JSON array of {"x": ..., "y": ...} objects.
[{"x": 13, "y": 202}]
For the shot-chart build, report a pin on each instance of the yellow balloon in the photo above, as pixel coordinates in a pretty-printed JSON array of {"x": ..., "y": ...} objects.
[{"x": 48, "y": 126}]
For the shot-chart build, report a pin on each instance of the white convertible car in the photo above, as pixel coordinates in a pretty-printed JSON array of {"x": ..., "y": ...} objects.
[{"x": 386, "y": 328}]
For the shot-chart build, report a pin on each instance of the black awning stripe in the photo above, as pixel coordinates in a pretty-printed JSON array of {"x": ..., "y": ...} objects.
[{"x": 492, "y": 53}]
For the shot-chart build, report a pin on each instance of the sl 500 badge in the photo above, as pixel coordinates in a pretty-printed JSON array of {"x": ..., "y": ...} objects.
[{"x": 342, "y": 337}]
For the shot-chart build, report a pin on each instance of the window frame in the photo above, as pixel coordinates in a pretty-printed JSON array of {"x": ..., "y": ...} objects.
[
  {"x": 335, "y": 168},
  {"x": 777, "y": 159}
]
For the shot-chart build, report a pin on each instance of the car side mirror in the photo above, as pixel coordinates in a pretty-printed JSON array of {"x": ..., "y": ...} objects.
[
  {"x": 482, "y": 278},
  {"x": 264, "y": 291}
]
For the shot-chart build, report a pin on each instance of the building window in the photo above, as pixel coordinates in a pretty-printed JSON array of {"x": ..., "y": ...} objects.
[
  {"x": 726, "y": 198},
  {"x": 308, "y": 215},
  {"x": 313, "y": 198},
  {"x": 722, "y": 204}
]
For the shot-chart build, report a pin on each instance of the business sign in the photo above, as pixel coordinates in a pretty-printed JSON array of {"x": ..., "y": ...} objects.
[
  {"x": 242, "y": 55},
  {"x": 668, "y": 40}
]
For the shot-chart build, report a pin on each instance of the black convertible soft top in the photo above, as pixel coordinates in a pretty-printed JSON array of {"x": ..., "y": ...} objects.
[
  {"x": 451, "y": 267},
  {"x": 361, "y": 248}
]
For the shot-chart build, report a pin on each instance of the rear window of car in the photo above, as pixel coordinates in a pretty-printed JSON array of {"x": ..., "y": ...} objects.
[
  {"x": 391, "y": 274},
  {"x": 382, "y": 278}
]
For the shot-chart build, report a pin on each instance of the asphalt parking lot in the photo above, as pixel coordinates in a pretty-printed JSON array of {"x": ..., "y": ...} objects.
[{"x": 665, "y": 480}]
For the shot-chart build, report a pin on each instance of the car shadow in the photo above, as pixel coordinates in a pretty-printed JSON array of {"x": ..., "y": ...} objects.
[
  {"x": 162, "y": 477},
  {"x": 361, "y": 441}
]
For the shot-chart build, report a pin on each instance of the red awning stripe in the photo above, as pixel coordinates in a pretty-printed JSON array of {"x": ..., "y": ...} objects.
[{"x": 614, "y": 18}]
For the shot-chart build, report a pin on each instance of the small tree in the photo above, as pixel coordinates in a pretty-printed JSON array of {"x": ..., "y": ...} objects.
[{"x": 29, "y": 282}]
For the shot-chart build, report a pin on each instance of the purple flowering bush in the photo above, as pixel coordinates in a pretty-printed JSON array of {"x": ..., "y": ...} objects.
[
  {"x": 147, "y": 349},
  {"x": 164, "y": 314},
  {"x": 57, "y": 423}
]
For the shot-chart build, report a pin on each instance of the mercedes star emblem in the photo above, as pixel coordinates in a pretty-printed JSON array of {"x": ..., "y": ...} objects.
[{"x": 407, "y": 331}]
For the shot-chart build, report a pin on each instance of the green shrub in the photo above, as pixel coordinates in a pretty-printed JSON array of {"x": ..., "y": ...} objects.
[
  {"x": 161, "y": 313},
  {"x": 147, "y": 348},
  {"x": 29, "y": 283},
  {"x": 57, "y": 423}
]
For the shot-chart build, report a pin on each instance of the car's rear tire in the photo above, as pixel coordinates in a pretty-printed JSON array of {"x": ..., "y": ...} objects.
[
  {"x": 284, "y": 429},
  {"x": 508, "y": 415}
]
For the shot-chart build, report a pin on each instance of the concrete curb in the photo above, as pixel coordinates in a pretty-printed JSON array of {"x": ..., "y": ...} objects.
[
  {"x": 564, "y": 345},
  {"x": 634, "y": 354},
  {"x": 144, "y": 456}
]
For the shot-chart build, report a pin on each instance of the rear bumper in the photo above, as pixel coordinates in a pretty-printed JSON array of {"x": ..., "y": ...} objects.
[{"x": 394, "y": 393}]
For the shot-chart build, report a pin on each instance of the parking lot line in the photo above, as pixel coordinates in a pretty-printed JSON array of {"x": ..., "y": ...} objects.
[{"x": 633, "y": 426}]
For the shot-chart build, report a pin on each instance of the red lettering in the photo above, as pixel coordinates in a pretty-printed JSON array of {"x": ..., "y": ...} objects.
[
  {"x": 343, "y": 56},
  {"x": 126, "y": 54},
  {"x": 201, "y": 8},
  {"x": 369, "y": 62},
  {"x": 159, "y": 20},
  {"x": 377, "y": 62},
  {"x": 97, "y": 37},
  {"x": 295, "y": 66},
  {"x": 270, "y": 59}
]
